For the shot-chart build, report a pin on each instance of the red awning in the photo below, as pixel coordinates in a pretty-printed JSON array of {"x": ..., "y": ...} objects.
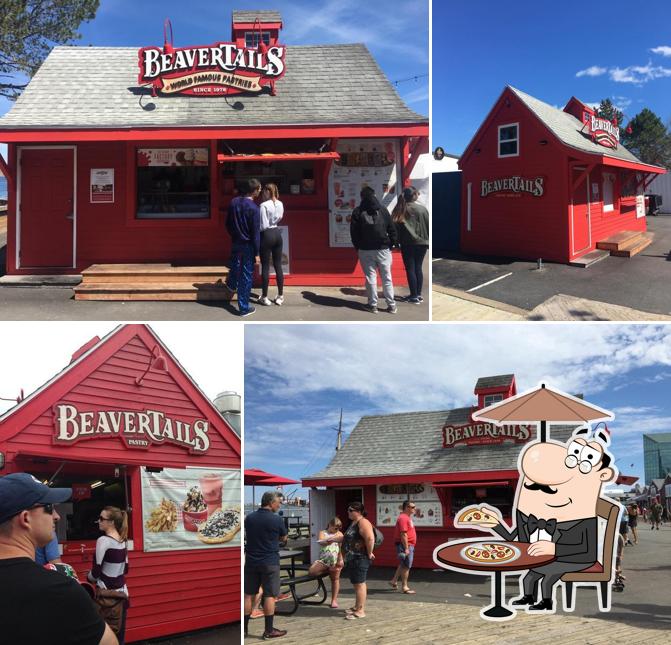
[
  {"x": 627, "y": 480},
  {"x": 279, "y": 156},
  {"x": 502, "y": 482}
]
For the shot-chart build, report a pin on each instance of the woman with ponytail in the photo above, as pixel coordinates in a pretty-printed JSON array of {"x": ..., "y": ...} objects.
[
  {"x": 412, "y": 223},
  {"x": 110, "y": 566}
]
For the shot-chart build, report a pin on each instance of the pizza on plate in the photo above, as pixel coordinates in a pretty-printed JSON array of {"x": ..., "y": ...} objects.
[
  {"x": 491, "y": 552},
  {"x": 477, "y": 516}
]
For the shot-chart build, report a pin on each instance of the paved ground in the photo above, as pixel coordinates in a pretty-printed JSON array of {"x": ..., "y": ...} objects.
[
  {"x": 301, "y": 303},
  {"x": 641, "y": 283},
  {"x": 452, "y": 304},
  {"x": 446, "y": 610}
]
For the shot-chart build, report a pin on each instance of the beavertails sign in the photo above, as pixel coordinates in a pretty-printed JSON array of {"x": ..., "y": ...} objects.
[
  {"x": 484, "y": 433},
  {"x": 135, "y": 429},
  {"x": 211, "y": 70},
  {"x": 602, "y": 131}
]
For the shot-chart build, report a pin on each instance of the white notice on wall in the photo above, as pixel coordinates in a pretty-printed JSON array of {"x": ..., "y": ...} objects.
[{"x": 102, "y": 185}]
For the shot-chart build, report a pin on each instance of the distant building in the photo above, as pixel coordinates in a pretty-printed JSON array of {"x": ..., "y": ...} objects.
[{"x": 657, "y": 455}]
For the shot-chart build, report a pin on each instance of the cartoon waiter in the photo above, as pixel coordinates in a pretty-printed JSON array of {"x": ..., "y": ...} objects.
[{"x": 555, "y": 510}]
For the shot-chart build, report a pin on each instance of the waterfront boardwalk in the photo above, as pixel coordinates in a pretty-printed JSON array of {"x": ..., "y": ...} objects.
[{"x": 441, "y": 613}]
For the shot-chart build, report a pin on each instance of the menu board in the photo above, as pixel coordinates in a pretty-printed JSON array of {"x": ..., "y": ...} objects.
[
  {"x": 102, "y": 185},
  {"x": 192, "y": 508},
  {"x": 172, "y": 157},
  {"x": 390, "y": 497},
  {"x": 363, "y": 162}
]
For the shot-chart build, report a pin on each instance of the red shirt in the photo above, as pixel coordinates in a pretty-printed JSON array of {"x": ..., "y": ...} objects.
[{"x": 404, "y": 524}]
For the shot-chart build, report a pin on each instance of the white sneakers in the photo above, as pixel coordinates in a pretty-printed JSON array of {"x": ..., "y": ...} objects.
[{"x": 266, "y": 302}]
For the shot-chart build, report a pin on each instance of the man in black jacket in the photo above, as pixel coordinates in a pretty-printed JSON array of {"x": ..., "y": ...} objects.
[{"x": 373, "y": 235}]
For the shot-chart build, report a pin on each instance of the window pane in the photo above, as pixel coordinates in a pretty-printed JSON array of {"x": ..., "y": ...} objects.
[
  {"x": 173, "y": 191},
  {"x": 507, "y": 133},
  {"x": 508, "y": 148}
]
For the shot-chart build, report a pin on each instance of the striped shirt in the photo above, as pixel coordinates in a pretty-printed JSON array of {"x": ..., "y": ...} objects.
[{"x": 110, "y": 564}]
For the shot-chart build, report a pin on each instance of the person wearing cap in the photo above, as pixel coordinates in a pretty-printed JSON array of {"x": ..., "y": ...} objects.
[{"x": 38, "y": 606}]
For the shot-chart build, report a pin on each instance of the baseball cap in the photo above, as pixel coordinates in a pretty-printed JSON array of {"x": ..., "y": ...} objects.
[{"x": 20, "y": 491}]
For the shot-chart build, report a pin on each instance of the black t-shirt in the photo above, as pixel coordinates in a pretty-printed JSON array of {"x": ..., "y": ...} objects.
[
  {"x": 38, "y": 606},
  {"x": 263, "y": 530}
]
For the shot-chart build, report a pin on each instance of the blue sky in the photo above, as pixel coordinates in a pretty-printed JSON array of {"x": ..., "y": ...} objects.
[
  {"x": 618, "y": 50},
  {"x": 297, "y": 377},
  {"x": 395, "y": 31}
]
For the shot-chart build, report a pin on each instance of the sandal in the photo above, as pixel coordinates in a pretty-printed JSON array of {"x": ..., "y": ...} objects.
[
  {"x": 353, "y": 617},
  {"x": 334, "y": 605},
  {"x": 393, "y": 585},
  {"x": 410, "y": 591}
]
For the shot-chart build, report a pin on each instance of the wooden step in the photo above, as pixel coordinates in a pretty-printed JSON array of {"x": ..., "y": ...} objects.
[
  {"x": 151, "y": 273},
  {"x": 634, "y": 246},
  {"x": 617, "y": 241},
  {"x": 590, "y": 258},
  {"x": 175, "y": 291}
]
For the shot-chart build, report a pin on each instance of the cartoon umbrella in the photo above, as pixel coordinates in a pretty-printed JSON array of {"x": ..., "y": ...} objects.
[{"x": 542, "y": 405}]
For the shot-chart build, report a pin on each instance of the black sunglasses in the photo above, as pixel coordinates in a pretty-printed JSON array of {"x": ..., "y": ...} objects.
[
  {"x": 48, "y": 508},
  {"x": 104, "y": 519}
]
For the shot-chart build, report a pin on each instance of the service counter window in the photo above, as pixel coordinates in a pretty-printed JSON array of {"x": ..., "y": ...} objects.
[
  {"x": 91, "y": 492},
  {"x": 608, "y": 192},
  {"x": 173, "y": 183},
  {"x": 291, "y": 177},
  {"x": 500, "y": 497}
]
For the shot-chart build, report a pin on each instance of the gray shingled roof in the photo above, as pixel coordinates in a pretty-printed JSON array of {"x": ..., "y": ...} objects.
[
  {"x": 504, "y": 380},
  {"x": 252, "y": 15},
  {"x": 567, "y": 128},
  {"x": 83, "y": 87},
  {"x": 412, "y": 444}
]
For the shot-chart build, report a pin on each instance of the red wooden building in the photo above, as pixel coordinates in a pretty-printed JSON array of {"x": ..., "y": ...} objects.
[
  {"x": 441, "y": 460},
  {"x": 114, "y": 435},
  {"x": 540, "y": 182},
  {"x": 120, "y": 156}
]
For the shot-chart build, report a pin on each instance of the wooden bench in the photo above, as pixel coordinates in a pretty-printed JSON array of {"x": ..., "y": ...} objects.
[{"x": 301, "y": 577}]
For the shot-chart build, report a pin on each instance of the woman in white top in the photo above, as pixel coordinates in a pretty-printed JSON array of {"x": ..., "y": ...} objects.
[{"x": 272, "y": 211}]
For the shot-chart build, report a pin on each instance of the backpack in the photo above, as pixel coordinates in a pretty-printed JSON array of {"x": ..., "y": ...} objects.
[{"x": 379, "y": 538}]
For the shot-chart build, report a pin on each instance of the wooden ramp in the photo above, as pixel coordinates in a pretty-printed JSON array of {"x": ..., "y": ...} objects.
[
  {"x": 626, "y": 243},
  {"x": 152, "y": 282}
]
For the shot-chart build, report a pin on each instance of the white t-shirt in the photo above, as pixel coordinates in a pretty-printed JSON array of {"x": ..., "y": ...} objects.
[{"x": 271, "y": 213}]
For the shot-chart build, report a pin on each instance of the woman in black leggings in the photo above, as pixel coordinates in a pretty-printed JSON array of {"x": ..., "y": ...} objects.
[
  {"x": 272, "y": 211},
  {"x": 412, "y": 223}
]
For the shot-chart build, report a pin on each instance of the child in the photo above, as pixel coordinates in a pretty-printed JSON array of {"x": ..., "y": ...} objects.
[{"x": 330, "y": 558}]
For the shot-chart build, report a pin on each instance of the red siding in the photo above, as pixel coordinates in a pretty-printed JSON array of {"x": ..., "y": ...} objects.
[
  {"x": 110, "y": 233},
  {"x": 173, "y": 591},
  {"x": 525, "y": 226}
]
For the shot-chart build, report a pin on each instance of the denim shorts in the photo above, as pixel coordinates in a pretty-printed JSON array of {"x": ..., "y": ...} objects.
[
  {"x": 403, "y": 559},
  {"x": 357, "y": 568}
]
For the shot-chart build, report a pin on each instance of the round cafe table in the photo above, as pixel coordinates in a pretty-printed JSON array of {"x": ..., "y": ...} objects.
[{"x": 451, "y": 556}]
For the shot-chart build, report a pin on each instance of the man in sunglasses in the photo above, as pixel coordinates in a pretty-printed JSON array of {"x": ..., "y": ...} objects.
[
  {"x": 39, "y": 606},
  {"x": 405, "y": 539}
]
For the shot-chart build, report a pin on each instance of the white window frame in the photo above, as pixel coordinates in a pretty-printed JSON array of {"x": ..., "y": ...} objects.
[
  {"x": 498, "y": 397},
  {"x": 265, "y": 35},
  {"x": 516, "y": 140},
  {"x": 610, "y": 207}
]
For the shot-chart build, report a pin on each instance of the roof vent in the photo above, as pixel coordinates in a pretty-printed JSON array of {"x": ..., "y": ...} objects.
[{"x": 85, "y": 348}]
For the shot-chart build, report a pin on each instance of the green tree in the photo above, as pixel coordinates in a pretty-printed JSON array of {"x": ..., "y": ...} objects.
[
  {"x": 28, "y": 31},
  {"x": 648, "y": 139},
  {"x": 607, "y": 110}
]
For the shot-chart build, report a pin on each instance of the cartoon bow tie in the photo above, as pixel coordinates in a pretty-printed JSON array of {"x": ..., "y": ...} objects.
[{"x": 534, "y": 523}]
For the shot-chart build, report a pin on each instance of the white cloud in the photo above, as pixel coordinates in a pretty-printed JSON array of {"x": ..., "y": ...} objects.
[
  {"x": 594, "y": 70},
  {"x": 410, "y": 367},
  {"x": 662, "y": 50},
  {"x": 638, "y": 74}
]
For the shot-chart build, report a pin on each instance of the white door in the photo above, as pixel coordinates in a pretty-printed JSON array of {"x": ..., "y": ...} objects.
[{"x": 322, "y": 509}]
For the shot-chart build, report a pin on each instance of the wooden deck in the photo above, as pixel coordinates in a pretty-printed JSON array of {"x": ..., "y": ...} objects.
[
  {"x": 626, "y": 243},
  {"x": 153, "y": 282}
]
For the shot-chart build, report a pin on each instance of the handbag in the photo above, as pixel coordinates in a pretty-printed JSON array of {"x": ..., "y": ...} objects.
[{"x": 110, "y": 605}]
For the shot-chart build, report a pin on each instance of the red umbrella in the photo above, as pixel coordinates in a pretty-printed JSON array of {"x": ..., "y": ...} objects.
[
  {"x": 257, "y": 477},
  {"x": 275, "y": 480},
  {"x": 253, "y": 475}
]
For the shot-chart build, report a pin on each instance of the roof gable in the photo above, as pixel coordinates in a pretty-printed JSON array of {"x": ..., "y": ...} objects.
[{"x": 104, "y": 379}]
